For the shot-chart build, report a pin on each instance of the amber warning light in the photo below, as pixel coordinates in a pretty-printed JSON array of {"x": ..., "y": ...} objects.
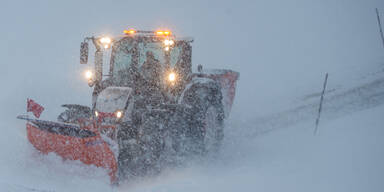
[
  {"x": 130, "y": 31},
  {"x": 163, "y": 33}
]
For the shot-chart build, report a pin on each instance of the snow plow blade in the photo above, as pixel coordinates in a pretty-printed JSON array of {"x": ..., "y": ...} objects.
[{"x": 71, "y": 142}]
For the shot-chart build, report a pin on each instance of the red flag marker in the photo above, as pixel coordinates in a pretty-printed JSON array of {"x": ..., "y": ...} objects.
[{"x": 34, "y": 107}]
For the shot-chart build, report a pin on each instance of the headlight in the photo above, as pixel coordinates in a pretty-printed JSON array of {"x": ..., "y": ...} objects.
[
  {"x": 118, "y": 114},
  {"x": 172, "y": 77},
  {"x": 88, "y": 74},
  {"x": 106, "y": 41},
  {"x": 168, "y": 42},
  {"x": 96, "y": 113}
]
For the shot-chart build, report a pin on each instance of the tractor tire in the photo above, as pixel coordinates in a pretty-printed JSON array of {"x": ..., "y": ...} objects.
[
  {"x": 207, "y": 118},
  {"x": 140, "y": 151}
]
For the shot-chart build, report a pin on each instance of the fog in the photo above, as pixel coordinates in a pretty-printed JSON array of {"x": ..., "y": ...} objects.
[{"x": 281, "y": 48}]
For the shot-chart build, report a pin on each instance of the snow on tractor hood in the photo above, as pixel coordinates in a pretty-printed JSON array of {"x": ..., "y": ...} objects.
[{"x": 112, "y": 99}]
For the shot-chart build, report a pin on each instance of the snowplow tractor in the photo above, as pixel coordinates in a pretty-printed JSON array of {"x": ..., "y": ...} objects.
[{"x": 148, "y": 110}]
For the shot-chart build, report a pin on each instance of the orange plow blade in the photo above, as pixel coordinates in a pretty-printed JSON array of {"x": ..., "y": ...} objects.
[{"x": 73, "y": 144}]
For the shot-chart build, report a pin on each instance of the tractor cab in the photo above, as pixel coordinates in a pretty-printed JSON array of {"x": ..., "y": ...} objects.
[{"x": 140, "y": 59}]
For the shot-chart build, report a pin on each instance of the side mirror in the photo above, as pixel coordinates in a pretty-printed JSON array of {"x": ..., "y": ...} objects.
[
  {"x": 200, "y": 68},
  {"x": 84, "y": 53}
]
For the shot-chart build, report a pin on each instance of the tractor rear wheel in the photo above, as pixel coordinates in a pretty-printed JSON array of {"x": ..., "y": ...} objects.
[
  {"x": 212, "y": 130},
  {"x": 207, "y": 121}
]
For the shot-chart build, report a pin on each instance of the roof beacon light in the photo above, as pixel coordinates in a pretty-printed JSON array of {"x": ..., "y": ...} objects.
[
  {"x": 163, "y": 33},
  {"x": 159, "y": 33},
  {"x": 130, "y": 32}
]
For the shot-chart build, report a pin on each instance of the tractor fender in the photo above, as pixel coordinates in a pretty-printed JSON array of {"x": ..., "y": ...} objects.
[
  {"x": 226, "y": 79},
  {"x": 201, "y": 85},
  {"x": 203, "y": 95},
  {"x": 202, "y": 89}
]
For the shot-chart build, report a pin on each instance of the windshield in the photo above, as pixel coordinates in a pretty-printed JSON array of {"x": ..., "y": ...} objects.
[
  {"x": 151, "y": 60},
  {"x": 175, "y": 56},
  {"x": 154, "y": 48},
  {"x": 122, "y": 56},
  {"x": 145, "y": 55}
]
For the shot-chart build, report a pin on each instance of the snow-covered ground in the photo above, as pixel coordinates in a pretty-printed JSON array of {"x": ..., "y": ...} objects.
[
  {"x": 282, "y": 50},
  {"x": 345, "y": 155}
]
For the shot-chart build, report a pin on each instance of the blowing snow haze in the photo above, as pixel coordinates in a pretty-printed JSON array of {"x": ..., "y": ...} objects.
[
  {"x": 282, "y": 50},
  {"x": 277, "y": 46}
]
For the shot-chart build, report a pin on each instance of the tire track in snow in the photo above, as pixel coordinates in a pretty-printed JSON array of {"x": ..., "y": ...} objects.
[{"x": 335, "y": 105}]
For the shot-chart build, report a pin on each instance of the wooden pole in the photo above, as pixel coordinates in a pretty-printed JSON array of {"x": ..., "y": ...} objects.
[
  {"x": 380, "y": 28},
  {"x": 321, "y": 103}
]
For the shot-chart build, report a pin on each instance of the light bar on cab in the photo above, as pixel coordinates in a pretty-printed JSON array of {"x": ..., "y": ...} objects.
[
  {"x": 129, "y": 32},
  {"x": 162, "y": 33}
]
